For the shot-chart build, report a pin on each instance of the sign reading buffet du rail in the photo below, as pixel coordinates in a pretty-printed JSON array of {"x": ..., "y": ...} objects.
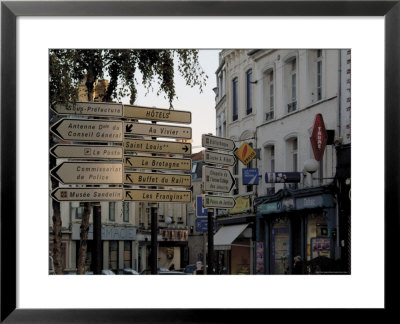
[
  {"x": 114, "y": 164},
  {"x": 217, "y": 178}
]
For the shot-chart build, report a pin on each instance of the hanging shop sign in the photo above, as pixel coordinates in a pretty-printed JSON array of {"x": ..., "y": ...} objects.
[
  {"x": 250, "y": 176},
  {"x": 245, "y": 153},
  {"x": 319, "y": 137},
  {"x": 95, "y": 152},
  {"x": 157, "y": 179},
  {"x": 156, "y": 163},
  {"x": 242, "y": 205},
  {"x": 174, "y": 235},
  {"x": 219, "y": 143},
  {"x": 157, "y": 114},
  {"x": 156, "y": 130},
  {"x": 324, "y": 200},
  {"x": 164, "y": 147},
  {"x": 282, "y": 177}
]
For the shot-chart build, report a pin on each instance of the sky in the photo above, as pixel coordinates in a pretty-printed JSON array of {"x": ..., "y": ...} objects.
[{"x": 202, "y": 105}]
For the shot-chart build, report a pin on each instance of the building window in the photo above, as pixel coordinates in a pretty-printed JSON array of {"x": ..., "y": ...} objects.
[
  {"x": 125, "y": 211},
  {"x": 113, "y": 255},
  {"x": 111, "y": 211},
  {"x": 269, "y": 98},
  {"x": 235, "y": 99},
  {"x": 319, "y": 75},
  {"x": 249, "y": 92},
  {"x": 79, "y": 212},
  {"x": 127, "y": 254},
  {"x": 270, "y": 166},
  {"x": 291, "y": 153},
  {"x": 291, "y": 81}
]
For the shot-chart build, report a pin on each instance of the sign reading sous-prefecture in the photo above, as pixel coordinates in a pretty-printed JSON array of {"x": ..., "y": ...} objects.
[{"x": 90, "y": 109}]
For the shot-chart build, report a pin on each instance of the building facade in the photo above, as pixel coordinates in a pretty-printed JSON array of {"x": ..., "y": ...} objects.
[{"x": 270, "y": 99}]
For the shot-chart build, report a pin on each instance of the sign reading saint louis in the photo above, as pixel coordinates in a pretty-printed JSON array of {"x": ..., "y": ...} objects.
[
  {"x": 184, "y": 196},
  {"x": 87, "y": 151},
  {"x": 88, "y": 194},
  {"x": 158, "y": 130},
  {"x": 154, "y": 162},
  {"x": 159, "y": 179},
  {"x": 215, "y": 142},
  {"x": 89, "y": 173},
  {"x": 217, "y": 179},
  {"x": 165, "y": 147}
]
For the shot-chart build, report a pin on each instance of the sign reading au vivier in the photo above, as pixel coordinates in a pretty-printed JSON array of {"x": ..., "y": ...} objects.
[
  {"x": 158, "y": 130},
  {"x": 319, "y": 137}
]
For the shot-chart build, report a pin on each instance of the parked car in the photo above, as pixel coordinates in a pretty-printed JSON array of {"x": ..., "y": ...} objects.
[
  {"x": 190, "y": 269},
  {"x": 171, "y": 273},
  {"x": 159, "y": 270},
  {"x": 107, "y": 272},
  {"x": 127, "y": 271}
]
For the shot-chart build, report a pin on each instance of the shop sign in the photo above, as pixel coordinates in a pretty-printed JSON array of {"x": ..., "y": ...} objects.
[
  {"x": 314, "y": 202},
  {"x": 242, "y": 205},
  {"x": 250, "y": 176},
  {"x": 282, "y": 177},
  {"x": 108, "y": 233},
  {"x": 245, "y": 153},
  {"x": 320, "y": 247},
  {"x": 319, "y": 137},
  {"x": 277, "y": 206},
  {"x": 174, "y": 235}
]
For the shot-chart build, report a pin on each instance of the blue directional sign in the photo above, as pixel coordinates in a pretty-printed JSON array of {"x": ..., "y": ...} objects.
[
  {"x": 250, "y": 176},
  {"x": 202, "y": 224},
  {"x": 200, "y": 211}
]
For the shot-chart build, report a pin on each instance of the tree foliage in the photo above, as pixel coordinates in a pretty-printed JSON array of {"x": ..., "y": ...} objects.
[{"x": 68, "y": 67}]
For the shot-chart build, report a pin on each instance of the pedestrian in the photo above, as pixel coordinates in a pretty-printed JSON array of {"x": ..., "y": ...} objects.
[
  {"x": 172, "y": 267},
  {"x": 298, "y": 265}
]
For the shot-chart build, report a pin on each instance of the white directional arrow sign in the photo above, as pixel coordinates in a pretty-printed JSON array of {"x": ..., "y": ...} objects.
[
  {"x": 155, "y": 163},
  {"x": 158, "y": 130},
  {"x": 217, "y": 180},
  {"x": 166, "y": 147},
  {"x": 219, "y": 202},
  {"x": 157, "y": 114},
  {"x": 89, "y": 173},
  {"x": 215, "y": 142},
  {"x": 87, "y": 130},
  {"x": 158, "y": 179},
  {"x": 87, "y": 152},
  {"x": 88, "y": 194},
  {"x": 219, "y": 158},
  {"x": 184, "y": 196},
  {"x": 90, "y": 109}
]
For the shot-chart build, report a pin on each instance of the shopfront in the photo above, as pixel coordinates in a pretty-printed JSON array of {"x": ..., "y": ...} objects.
[{"x": 295, "y": 223}]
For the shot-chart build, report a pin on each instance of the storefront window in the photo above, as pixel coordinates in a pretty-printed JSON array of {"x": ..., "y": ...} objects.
[
  {"x": 113, "y": 255},
  {"x": 127, "y": 254},
  {"x": 280, "y": 246},
  {"x": 318, "y": 241}
]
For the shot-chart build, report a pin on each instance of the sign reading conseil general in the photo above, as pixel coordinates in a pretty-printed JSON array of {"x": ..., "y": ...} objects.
[{"x": 120, "y": 110}]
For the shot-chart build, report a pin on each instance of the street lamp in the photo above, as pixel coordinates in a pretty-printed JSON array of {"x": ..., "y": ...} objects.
[{"x": 311, "y": 166}]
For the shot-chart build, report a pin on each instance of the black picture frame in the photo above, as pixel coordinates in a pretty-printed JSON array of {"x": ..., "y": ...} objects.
[{"x": 10, "y": 10}]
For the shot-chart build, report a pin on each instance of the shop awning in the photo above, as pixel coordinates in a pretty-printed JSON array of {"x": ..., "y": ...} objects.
[{"x": 226, "y": 235}]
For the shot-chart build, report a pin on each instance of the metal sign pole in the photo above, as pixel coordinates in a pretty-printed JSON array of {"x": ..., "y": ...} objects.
[
  {"x": 97, "y": 244},
  {"x": 210, "y": 224},
  {"x": 154, "y": 225}
]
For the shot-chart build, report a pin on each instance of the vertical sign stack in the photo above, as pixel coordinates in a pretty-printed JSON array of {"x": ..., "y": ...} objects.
[{"x": 217, "y": 179}]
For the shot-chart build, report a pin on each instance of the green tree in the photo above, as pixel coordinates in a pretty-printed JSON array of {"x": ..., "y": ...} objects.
[{"x": 69, "y": 67}]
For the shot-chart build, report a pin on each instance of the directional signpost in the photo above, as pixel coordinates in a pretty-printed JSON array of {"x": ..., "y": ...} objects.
[
  {"x": 99, "y": 109},
  {"x": 220, "y": 202},
  {"x": 219, "y": 158},
  {"x": 220, "y": 143},
  {"x": 217, "y": 180},
  {"x": 95, "y": 152},
  {"x": 164, "y": 147},
  {"x": 151, "y": 195},
  {"x": 157, "y": 130},
  {"x": 89, "y": 173},
  {"x": 157, "y": 163},
  {"x": 156, "y": 114},
  {"x": 158, "y": 179},
  {"x": 88, "y": 194}
]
